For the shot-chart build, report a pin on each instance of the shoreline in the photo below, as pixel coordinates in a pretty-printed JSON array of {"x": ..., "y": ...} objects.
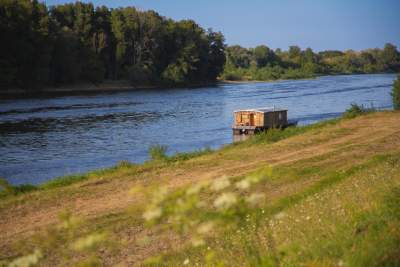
[
  {"x": 309, "y": 78},
  {"x": 90, "y": 88},
  {"x": 125, "y": 86}
]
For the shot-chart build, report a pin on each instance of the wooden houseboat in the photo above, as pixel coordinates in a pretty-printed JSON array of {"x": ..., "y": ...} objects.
[{"x": 251, "y": 121}]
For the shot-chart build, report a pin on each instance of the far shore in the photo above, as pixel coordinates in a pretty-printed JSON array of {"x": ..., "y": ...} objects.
[
  {"x": 110, "y": 86},
  {"x": 91, "y": 88},
  {"x": 106, "y": 87}
]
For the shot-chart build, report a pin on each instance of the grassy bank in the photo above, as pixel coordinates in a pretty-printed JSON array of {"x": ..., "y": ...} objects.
[{"x": 319, "y": 195}]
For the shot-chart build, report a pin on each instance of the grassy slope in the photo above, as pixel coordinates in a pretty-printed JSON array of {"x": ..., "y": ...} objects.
[{"x": 326, "y": 198}]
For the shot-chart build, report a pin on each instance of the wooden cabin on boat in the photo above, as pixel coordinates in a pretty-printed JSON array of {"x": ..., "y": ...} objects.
[{"x": 251, "y": 121}]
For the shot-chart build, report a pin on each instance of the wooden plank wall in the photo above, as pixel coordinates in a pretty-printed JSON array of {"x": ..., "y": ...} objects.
[
  {"x": 269, "y": 119},
  {"x": 243, "y": 118}
]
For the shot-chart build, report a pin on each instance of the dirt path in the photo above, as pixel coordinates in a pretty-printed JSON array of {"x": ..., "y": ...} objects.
[{"x": 93, "y": 199}]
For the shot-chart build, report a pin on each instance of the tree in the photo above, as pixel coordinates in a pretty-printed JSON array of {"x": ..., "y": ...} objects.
[
  {"x": 390, "y": 57},
  {"x": 294, "y": 51},
  {"x": 65, "y": 64},
  {"x": 238, "y": 56},
  {"x": 263, "y": 56},
  {"x": 216, "y": 54}
]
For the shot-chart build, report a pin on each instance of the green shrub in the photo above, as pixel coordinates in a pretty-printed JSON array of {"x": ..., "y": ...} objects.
[
  {"x": 353, "y": 111},
  {"x": 297, "y": 74},
  {"x": 231, "y": 76},
  {"x": 396, "y": 93},
  {"x": 357, "y": 110},
  {"x": 235, "y": 74},
  {"x": 158, "y": 152}
]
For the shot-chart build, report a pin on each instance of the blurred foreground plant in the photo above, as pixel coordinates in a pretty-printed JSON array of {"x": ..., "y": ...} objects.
[
  {"x": 78, "y": 248},
  {"x": 224, "y": 207}
]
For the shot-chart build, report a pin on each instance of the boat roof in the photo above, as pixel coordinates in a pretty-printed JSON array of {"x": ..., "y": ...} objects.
[{"x": 264, "y": 109}]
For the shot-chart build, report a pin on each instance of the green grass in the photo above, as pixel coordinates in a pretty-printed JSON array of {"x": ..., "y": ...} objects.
[
  {"x": 10, "y": 190},
  {"x": 370, "y": 240}
]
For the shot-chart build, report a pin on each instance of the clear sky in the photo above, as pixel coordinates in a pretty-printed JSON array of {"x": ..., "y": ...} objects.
[{"x": 319, "y": 24}]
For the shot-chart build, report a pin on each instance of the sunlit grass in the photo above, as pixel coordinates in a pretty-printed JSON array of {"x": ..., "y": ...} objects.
[{"x": 376, "y": 225}]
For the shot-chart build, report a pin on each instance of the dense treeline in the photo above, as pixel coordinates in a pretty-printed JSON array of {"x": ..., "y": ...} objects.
[
  {"x": 263, "y": 63},
  {"x": 46, "y": 46},
  {"x": 51, "y": 46}
]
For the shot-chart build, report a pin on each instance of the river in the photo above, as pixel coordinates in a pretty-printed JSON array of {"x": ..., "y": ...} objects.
[{"x": 43, "y": 138}]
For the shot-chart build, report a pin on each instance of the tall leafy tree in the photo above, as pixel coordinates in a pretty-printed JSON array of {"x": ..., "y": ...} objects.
[
  {"x": 263, "y": 56},
  {"x": 390, "y": 57}
]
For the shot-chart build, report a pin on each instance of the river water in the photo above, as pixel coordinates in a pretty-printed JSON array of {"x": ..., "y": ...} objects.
[{"x": 42, "y": 138}]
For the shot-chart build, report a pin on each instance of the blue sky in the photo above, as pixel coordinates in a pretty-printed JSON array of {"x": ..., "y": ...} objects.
[{"x": 319, "y": 24}]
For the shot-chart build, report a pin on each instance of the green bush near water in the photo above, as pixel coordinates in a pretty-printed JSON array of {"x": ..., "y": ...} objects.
[
  {"x": 356, "y": 110},
  {"x": 158, "y": 152},
  {"x": 396, "y": 93}
]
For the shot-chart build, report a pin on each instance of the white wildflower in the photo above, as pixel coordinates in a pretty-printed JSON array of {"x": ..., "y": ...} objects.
[
  {"x": 88, "y": 242},
  {"x": 194, "y": 189},
  {"x": 243, "y": 184},
  {"x": 220, "y": 184},
  {"x": 225, "y": 200},
  {"x": 152, "y": 214},
  {"x": 159, "y": 195},
  {"x": 28, "y": 260},
  {"x": 255, "y": 199}
]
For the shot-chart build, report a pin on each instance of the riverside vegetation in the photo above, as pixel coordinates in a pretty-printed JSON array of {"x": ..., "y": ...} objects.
[
  {"x": 262, "y": 63},
  {"x": 77, "y": 42},
  {"x": 396, "y": 93},
  {"x": 322, "y": 195}
]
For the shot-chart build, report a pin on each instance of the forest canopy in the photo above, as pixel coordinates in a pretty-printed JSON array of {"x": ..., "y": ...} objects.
[{"x": 77, "y": 42}]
